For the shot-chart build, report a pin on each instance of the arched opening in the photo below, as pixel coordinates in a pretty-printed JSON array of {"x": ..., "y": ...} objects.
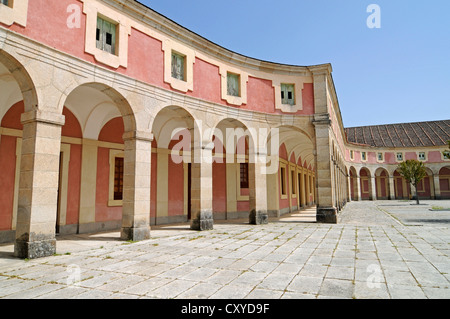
[
  {"x": 366, "y": 188},
  {"x": 292, "y": 186},
  {"x": 233, "y": 144},
  {"x": 444, "y": 182},
  {"x": 17, "y": 95},
  {"x": 98, "y": 159},
  {"x": 172, "y": 166},
  {"x": 402, "y": 188},
  {"x": 382, "y": 184}
]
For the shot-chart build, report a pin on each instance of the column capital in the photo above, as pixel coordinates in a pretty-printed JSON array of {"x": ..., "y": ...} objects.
[
  {"x": 43, "y": 117},
  {"x": 138, "y": 135}
]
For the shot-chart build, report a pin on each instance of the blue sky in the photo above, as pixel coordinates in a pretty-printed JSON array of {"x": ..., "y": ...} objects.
[{"x": 397, "y": 73}]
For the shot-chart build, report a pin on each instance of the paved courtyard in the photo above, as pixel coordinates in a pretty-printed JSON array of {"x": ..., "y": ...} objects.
[{"x": 384, "y": 249}]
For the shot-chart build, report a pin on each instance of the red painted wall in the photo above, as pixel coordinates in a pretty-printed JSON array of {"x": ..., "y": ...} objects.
[
  {"x": 112, "y": 131},
  {"x": 74, "y": 185},
  {"x": 145, "y": 48},
  {"x": 8, "y": 165},
  {"x": 219, "y": 187},
  {"x": 11, "y": 119},
  {"x": 153, "y": 186},
  {"x": 207, "y": 80},
  {"x": 260, "y": 95},
  {"x": 102, "y": 211},
  {"x": 50, "y": 27}
]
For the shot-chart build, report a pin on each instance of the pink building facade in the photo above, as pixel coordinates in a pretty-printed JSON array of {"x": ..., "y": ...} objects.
[{"x": 114, "y": 117}]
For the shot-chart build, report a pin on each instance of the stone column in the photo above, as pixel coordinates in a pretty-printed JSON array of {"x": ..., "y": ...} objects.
[
  {"x": 202, "y": 189},
  {"x": 349, "y": 188},
  {"x": 258, "y": 190},
  {"x": 391, "y": 188},
  {"x": 358, "y": 187},
  {"x": 437, "y": 187},
  {"x": 136, "y": 188},
  {"x": 38, "y": 185},
  {"x": 373, "y": 188}
]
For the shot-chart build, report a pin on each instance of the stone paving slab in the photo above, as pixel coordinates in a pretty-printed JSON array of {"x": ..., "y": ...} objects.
[{"x": 374, "y": 252}]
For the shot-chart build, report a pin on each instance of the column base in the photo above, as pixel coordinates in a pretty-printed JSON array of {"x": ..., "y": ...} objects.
[
  {"x": 327, "y": 215},
  {"x": 34, "y": 249},
  {"x": 259, "y": 217},
  {"x": 135, "y": 234},
  {"x": 203, "y": 222}
]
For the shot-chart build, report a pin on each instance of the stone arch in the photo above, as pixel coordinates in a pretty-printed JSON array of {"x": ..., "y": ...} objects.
[
  {"x": 14, "y": 69},
  {"x": 366, "y": 187},
  {"x": 95, "y": 104},
  {"x": 444, "y": 182},
  {"x": 382, "y": 190}
]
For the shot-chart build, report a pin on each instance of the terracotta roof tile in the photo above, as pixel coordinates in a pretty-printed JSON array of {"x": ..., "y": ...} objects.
[{"x": 433, "y": 133}]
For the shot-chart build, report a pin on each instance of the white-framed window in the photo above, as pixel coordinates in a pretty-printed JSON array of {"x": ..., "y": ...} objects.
[
  {"x": 233, "y": 84},
  {"x": 288, "y": 94},
  {"x": 446, "y": 155},
  {"x": 293, "y": 183},
  {"x": 380, "y": 157},
  {"x": 116, "y": 174},
  {"x": 178, "y": 66},
  {"x": 244, "y": 181},
  {"x": 283, "y": 181},
  {"x": 352, "y": 155},
  {"x": 364, "y": 156},
  {"x": 399, "y": 157},
  {"x": 106, "y": 35},
  {"x": 422, "y": 156}
]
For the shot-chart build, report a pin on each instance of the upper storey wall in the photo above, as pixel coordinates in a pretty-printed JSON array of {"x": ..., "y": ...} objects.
[{"x": 145, "y": 42}]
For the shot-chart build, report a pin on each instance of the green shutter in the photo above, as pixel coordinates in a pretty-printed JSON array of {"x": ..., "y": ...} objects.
[
  {"x": 178, "y": 66},
  {"x": 106, "y": 36},
  {"x": 99, "y": 35},
  {"x": 233, "y": 84},
  {"x": 288, "y": 94}
]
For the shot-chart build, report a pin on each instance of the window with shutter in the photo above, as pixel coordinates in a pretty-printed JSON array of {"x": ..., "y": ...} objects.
[
  {"x": 283, "y": 180},
  {"x": 244, "y": 175},
  {"x": 5, "y": 2},
  {"x": 118, "y": 178},
  {"x": 178, "y": 66},
  {"x": 288, "y": 94},
  {"x": 233, "y": 84},
  {"x": 106, "y": 36}
]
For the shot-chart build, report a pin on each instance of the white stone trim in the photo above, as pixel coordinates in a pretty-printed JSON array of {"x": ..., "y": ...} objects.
[
  {"x": 243, "y": 79},
  {"x": 16, "y": 12},
  {"x": 93, "y": 9},
  {"x": 169, "y": 46},
  {"x": 299, "y": 86}
]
